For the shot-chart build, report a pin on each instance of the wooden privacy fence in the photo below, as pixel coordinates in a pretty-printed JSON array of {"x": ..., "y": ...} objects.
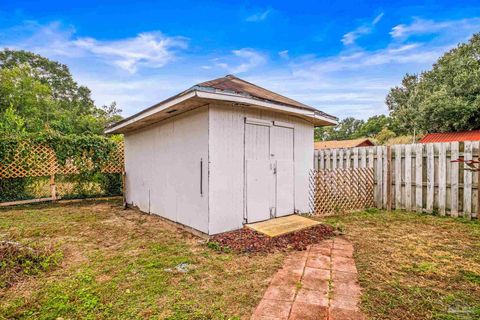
[
  {"x": 338, "y": 190},
  {"x": 415, "y": 177},
  {"x": 41, "y": 161}
]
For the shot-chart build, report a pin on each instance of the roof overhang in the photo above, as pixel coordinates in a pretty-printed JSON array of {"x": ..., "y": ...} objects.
[{"x": 192, "y": 99}]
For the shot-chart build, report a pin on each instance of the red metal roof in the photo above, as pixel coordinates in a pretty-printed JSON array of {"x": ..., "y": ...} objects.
[{"x": 473, "y": 135}]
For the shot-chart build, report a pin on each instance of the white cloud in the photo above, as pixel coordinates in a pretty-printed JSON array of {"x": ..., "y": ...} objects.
[
  {"x": 148, "y": 49},
  {"x": 284, "y": 54},
  {"x": 259, "y": 16},
  {"x": 423, "y": 27},
  {"x": 386, "y": 58},
  {"x": 243, "y": 60},
  {"x": 52, "y": 39},
  {"x": 151, "y": 49},
  {"x": 350, "y": 37},
  {"x": 418, "y": 26},
  {"x": 378, "y": 18}
]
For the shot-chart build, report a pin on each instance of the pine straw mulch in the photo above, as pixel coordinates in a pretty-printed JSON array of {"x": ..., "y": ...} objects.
[{"x": 247, "y": 240}]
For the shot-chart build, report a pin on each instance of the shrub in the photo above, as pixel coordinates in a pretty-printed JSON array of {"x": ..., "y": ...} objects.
[{"x": 14, "y": 189}]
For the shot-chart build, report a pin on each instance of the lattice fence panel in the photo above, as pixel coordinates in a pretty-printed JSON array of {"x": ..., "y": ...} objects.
[
  {"x": 40, "y": 160},
  {"x": 30, "y": 161},
  {"x": 117, "y": 160},
  {"x": 334, "y": 191}
]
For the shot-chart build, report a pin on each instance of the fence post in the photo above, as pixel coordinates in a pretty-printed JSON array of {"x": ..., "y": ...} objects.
[
  {"x": 467, "y": 181},
  {"x": 389, "y": 178},
  {"x": 419, "y": 177},
  {"x": 430, "y": 177},
  {"x": 53, "y": 189},
  {"x": 124, "y": 188},
  {"x": 408, "y": 177},
  {"x": 398, "y": 176},
  {"x": 454, "y": 155},
  {"x": 478, "y": 187},
  {"x": 442, "y": 178}
]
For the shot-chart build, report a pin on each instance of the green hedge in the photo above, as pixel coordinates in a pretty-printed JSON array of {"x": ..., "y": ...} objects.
[
  {"x": 90, "y": 182},
  {"x": 98, "y": 148}
]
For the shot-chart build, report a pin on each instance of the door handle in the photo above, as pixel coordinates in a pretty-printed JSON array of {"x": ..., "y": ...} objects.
[{"x": 201, "y": 177}]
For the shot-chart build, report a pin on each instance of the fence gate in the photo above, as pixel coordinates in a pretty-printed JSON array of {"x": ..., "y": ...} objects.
[{"x": 333, "y": 191}]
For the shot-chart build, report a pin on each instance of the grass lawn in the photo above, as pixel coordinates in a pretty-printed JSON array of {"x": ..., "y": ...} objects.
[
  {"x": 111, "y": 263},
  {"x": 415, "y": 266},
  {"x": 121, "y": 265}
]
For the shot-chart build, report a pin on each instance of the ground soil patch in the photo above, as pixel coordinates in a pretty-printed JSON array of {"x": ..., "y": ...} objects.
[{"x": 247, "y": 240}]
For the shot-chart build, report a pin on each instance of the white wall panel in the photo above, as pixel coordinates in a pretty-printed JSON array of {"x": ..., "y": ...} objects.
[
  {"x": 226, "y": 178},
  {"x": 162, "y": 164}
]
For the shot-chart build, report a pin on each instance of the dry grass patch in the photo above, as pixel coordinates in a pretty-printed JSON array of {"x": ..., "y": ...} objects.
[
  {"x": 415, "y": 266},
  {"x": 122, "y": 265},
  {"x": 18, "y": 261}
]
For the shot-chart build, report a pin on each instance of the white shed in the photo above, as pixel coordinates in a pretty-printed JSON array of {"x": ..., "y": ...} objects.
[{"x": 223, "y": 153}]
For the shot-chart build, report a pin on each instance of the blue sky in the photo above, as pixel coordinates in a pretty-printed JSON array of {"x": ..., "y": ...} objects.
[{"x": 341, "y": 57}]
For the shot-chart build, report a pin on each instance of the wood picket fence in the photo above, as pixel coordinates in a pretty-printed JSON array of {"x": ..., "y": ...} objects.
[{"x": 415, "y": 177}]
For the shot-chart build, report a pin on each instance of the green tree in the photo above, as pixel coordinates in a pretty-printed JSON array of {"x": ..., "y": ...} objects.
[
  {"x": 446, "y": 98},
  {"x": 322, "y": 133},
  {"x": 373, "y": 126},
  {"x": 54, "y": 74},
  {"x": 346, "y": 129},
  {"x": 43, "y": 93},
  {"x": 27, "y": 98},
  {"x": 11, "y": 123},
  {"x": 384, "y": 135}
]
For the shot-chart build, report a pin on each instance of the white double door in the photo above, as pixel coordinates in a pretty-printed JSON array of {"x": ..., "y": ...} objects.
[{"x": 269, "y": 170}]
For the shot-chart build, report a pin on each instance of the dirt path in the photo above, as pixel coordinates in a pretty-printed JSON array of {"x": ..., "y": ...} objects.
[{"x": 319, "y": 283}]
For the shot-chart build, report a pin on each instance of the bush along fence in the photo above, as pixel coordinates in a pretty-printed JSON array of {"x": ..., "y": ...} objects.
[
  {"x": 415, "y": 177},
  {"x": 51, "y": 167}
]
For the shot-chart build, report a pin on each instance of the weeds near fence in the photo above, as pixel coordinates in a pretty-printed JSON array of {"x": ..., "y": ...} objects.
[{"x": 18, "y": 261}]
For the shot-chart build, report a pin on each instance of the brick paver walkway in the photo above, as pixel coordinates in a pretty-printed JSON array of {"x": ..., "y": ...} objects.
[{"x": 319, "y": 283}]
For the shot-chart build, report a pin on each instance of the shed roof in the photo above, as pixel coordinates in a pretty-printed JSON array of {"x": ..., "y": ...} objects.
[
  {"x": 473, "y": 135},
  {"x": 228, "y": 88},
  {"x": 230, "y": 83},
  {"x": 343, "y": 143}
]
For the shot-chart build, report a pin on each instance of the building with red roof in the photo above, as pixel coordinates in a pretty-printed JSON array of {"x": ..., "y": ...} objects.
[{"x": 473, "y": 135}]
